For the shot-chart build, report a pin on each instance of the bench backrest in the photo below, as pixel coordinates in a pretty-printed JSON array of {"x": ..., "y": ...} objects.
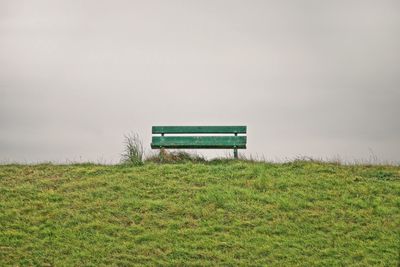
[{"x": 189, "y": 137}]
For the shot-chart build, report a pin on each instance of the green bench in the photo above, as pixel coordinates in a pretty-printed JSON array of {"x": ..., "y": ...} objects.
[{"x": 199, "y": 137}]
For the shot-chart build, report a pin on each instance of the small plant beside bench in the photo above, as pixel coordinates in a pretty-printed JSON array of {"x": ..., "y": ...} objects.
[{"x": 199, "y": 137}]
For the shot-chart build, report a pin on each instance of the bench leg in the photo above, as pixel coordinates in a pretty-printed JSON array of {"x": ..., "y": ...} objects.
[
  {"x": 161, "y": 154},
  {"x": 235, "y": 152}
]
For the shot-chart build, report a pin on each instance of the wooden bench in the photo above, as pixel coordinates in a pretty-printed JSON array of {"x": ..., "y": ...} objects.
[{"x": 188, "y": 137}]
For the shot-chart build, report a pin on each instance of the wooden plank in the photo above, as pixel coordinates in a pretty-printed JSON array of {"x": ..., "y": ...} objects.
[
  {"x": 198, "y": 129},
  {"x": 199, "y": 141}
]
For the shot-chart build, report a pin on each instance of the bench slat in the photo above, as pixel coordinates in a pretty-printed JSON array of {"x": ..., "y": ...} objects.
[
  {"x": 198, "y": 142},
  {"x": 198, "y": 129}
]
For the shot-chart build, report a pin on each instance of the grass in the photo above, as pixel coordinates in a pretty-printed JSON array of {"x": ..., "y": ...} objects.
[
  {"x": 205, "y": 214},
  {"x": 134, "y": 151}
]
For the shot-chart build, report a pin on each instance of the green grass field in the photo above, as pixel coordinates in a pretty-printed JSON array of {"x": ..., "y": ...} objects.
[{"x": 217, "y": 213}]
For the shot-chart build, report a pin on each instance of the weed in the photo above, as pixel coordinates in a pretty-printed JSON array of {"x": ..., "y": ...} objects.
[{"x": 133, "y": 151}]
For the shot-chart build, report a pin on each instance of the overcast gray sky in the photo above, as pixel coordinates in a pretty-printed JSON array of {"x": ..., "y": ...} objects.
[{"x": 311, "y": 78}]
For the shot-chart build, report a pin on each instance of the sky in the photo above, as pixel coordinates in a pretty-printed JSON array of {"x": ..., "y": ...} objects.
[{"x": 309, "y": 78}]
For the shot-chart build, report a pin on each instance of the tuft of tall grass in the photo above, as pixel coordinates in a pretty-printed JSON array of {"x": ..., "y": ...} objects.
[{"x": 133, "y": 151}]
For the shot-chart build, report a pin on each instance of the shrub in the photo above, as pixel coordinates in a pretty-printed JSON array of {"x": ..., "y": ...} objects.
[{"x": 175, "y": 157}]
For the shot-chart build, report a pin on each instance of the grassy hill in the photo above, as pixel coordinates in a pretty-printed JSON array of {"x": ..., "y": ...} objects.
[{"x": 216, "y": 213}]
